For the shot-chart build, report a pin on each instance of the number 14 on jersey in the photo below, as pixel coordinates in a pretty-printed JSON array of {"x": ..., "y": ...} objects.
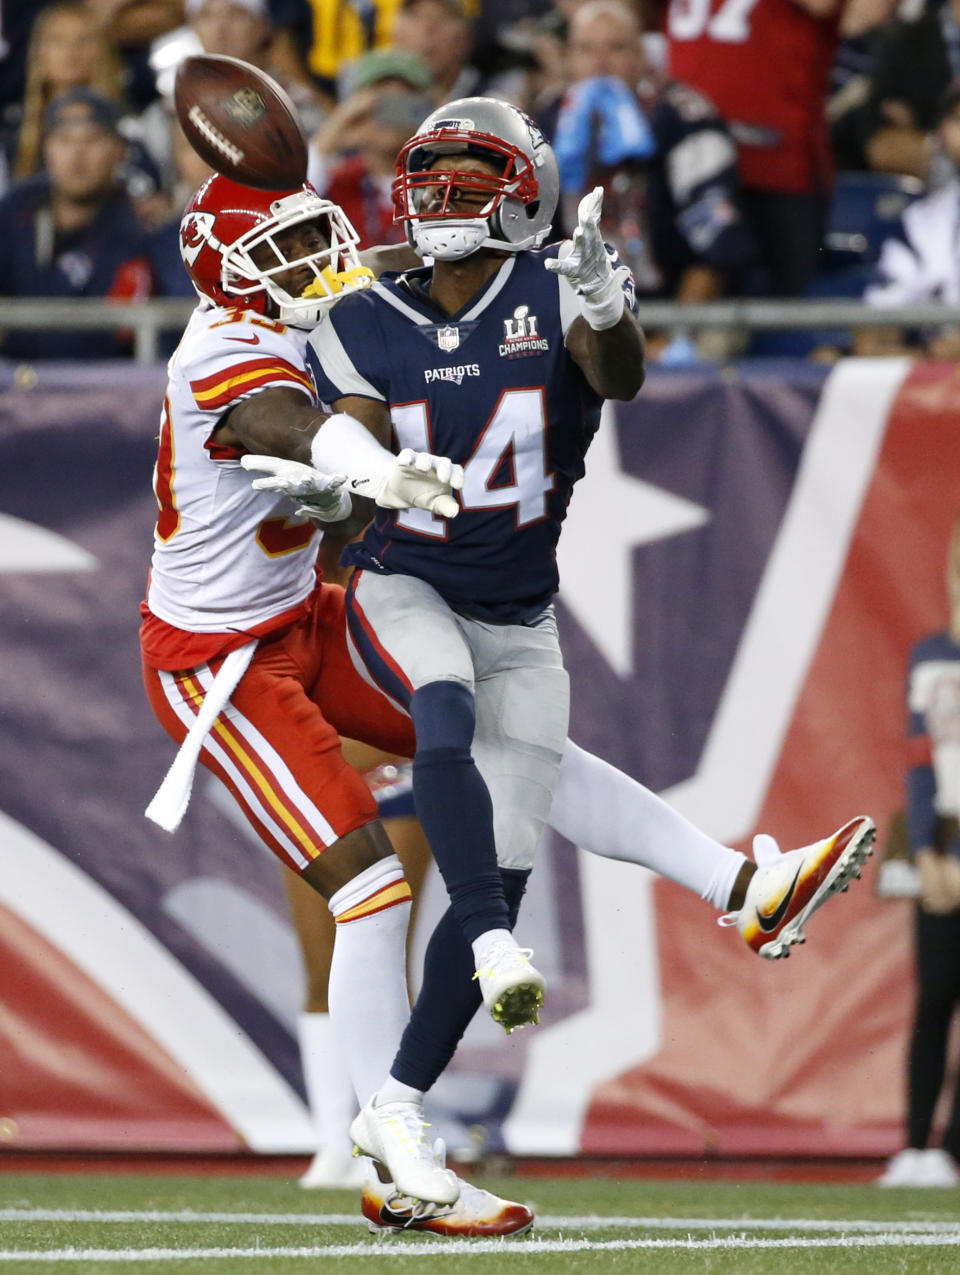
[{"x": 513, "y": 443}]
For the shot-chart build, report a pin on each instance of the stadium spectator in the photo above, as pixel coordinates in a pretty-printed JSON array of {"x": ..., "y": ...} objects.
[
  {"x": 321, "y": 37},
  {"x": 353, "y": 156},
  {"x": 136, "y": 22},
  {"x": 440, "y": 32},
  {"x": 231, "y": 28},
  {"x": 663, "y": 155},
  {"x": 170, "y": 277},
  {"x": 916, "y": 61},
  {"x": 851, "y": 80},
  {"x": 766, "y": 68},
  {"x": 933, "y": 805},
  {"x": 920, "y": 264},
  {"x": 18, "y": 19},
  {"x": 67, "y": 50},
  {"x": 133, "y": 25},
  {"x": 70, "y": 231}
]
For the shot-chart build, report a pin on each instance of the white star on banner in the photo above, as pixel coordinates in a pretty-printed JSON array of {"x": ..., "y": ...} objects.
[
  {"x": 611, "y": 514},
  {"x": 26, "y": 546}
]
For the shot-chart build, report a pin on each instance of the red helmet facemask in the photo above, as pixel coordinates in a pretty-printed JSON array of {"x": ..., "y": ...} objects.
[
  {"x": 225, "y": 223},
  {"x": 422, "y": 197}
]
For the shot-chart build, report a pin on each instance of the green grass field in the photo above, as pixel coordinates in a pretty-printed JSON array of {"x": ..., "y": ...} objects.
[{"x": 72, "y": 1223}]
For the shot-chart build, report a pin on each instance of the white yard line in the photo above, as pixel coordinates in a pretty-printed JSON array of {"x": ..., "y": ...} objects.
[
  {"x": 445, "y": 1248},
  {"x": 559, "y": 1222}
]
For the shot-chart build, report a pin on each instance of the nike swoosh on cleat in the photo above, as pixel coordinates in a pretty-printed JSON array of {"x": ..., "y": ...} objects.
[
  {"x": 246, "y": 340},
  {"x": 405, "y": 1219},
  {"x": 769, "y": 923}
]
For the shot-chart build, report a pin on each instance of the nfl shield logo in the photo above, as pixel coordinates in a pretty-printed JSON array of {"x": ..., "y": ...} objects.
[{"x": 448, "y": 339}]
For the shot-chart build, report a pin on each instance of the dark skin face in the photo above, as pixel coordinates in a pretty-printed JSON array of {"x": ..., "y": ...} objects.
[
  {"x": 297, "y": 241},
  {"x": 455, "y": 282}
]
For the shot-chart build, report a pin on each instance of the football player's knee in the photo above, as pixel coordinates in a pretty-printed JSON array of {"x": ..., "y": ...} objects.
[
  {"x": 444, "y": 715},
  {"x": 535, "y": 713}
]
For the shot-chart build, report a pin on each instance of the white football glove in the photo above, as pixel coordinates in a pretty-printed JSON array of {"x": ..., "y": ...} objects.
[
  {"x": 588, "y": 268},
  {"x": 320, "y": 496},
  {"x": 415, "y": 480}
]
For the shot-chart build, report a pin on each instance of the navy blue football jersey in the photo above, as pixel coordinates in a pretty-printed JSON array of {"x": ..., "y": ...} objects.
[{"x": 493, "y": 388}]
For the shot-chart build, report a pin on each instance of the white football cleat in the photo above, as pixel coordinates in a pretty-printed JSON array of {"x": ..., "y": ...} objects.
[
  {"x": 787, "y": 889},
  {"x": 475, "y": 1213},
  {"x": 394, "y": 1134},
  {"x": 334, "y": 1169},
  {"x": 511, "y": 988}
]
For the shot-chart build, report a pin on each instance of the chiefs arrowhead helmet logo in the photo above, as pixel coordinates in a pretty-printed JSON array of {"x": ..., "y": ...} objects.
[{"x": 195, "y": 231}]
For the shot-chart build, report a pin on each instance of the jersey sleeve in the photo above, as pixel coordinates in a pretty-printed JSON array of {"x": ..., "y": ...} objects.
[
  {"x": 340, "y": 354},
  {"x": 235, "y": 359}
]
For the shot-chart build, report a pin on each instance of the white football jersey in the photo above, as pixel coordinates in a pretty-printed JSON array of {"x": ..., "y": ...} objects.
[{"x": 226, "y": 556}]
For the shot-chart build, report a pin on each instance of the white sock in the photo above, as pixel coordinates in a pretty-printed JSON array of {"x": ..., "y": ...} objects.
[
  {"x": 607, "y": 813},
  {"x": 367, "y": 993},
  {"x": 482, "y": 945},
  {"x": 396, "y": 1091},
  {"x": 333, "y": 1104}
]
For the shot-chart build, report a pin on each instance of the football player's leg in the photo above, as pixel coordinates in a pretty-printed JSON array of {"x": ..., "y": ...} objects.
[
  {"x": 409, "y": 643},
  {"x": 345, "y": 692},
  {"x": 523, "y": 707},
  {"x": 605, "y": 812},
  {"x": 522, "y": 712},
  {"x": 273, "y": 749},
  {"x": 330, "y": 1095},
  {"x": 449, "y": 996},
  {"x": 332, "y": 1102}
]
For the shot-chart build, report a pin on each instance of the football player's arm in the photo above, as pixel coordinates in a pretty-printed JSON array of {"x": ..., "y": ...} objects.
[
  {"x": 604, "y": 338},
  {"x": 612, "y": 360},
  {"x": 333, "y": 452},
  {"x": 281, "y": 421},
  {"x": 819, "y": 8},
  {"x": 373, "y": 412},
  {"x": 395, "y": 256}
]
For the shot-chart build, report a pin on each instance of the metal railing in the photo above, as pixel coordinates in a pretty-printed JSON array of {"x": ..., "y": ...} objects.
[{"x": 147, "y": 319}]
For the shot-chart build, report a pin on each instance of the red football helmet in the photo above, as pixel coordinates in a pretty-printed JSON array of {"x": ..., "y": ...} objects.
[{"x": 225, "y": 222}]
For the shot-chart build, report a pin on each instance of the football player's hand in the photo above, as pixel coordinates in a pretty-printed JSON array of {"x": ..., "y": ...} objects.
[
  {"x": 588, "y": 267},
  {"x": 320, "y": 496},
  {"x": 416, "y": 480}
]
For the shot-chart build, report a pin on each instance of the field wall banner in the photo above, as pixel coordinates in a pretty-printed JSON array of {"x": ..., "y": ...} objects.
[{"x": 745, "y": 567}]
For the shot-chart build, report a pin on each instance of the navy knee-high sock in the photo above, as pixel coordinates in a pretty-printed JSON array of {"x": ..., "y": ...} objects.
[
  {"x": 454, "y": 807},
  {"x": 449, "y": 997}
]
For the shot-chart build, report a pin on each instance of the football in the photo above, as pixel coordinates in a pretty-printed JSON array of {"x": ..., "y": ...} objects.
[{"x": 241, "y": 122}]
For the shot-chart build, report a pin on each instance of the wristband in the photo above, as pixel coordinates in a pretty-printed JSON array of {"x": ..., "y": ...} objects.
[{"x": 604, "y": 309}]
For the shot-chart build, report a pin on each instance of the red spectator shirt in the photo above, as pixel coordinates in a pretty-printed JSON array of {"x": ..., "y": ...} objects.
[
  {"x": 765, "y": 65},
  {"x": 369, "y": 208}
]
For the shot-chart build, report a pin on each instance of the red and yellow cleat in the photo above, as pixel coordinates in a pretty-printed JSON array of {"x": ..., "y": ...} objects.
[
  {"x": 475, "y": 1213},
  {"x": 787, "y": 889}
]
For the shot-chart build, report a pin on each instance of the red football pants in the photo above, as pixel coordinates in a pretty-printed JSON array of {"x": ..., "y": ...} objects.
[{"x": 276, "y": 745}]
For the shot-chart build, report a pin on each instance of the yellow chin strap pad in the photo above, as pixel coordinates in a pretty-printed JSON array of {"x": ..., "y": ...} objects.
[{"x": 331, "y": 282}]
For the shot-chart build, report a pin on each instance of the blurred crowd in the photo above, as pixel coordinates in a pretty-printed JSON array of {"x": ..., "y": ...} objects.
[{"x": 781, "y": 148}]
